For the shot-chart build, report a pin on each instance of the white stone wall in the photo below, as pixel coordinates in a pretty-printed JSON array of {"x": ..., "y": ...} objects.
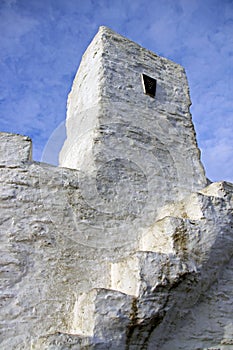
[{"x": 46, "y": 257}]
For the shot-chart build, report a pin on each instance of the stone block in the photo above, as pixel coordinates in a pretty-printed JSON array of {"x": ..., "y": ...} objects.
[
  {"x": 160, "y": 237},
  {"x": 102, "y": 314},
  {"x": 143, "y": 272},
  {"x": 15, "y": 149}
]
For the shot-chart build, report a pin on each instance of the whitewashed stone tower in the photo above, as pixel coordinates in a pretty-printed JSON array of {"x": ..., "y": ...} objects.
[
  {"x": 129, "y": 128},
  {"x": 118, "y": 252}
]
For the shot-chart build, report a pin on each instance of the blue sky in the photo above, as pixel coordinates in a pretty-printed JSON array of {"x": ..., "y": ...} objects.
[{"x": 42, "y": 41}]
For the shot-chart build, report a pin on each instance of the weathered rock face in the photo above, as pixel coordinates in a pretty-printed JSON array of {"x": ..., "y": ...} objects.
[{"x": 88, "y": 260}]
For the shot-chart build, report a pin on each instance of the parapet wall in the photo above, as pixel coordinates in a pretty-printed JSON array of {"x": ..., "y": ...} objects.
[{"x": 15, "y": 149}]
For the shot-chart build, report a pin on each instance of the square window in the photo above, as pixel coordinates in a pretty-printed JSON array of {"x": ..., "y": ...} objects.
[{"x": 149, "y": 85}]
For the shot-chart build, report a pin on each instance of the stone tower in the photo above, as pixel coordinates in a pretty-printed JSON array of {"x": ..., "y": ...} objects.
[
  {"x": 125, "y": 250},
  {"x": 129, "y": 125}
]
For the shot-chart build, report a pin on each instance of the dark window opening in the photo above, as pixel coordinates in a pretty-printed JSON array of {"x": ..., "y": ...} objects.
[{"x": 149, "y": 85}]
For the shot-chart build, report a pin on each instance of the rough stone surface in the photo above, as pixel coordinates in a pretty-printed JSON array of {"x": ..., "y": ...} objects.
[
  {"x": 15, "y": 149},
  {"x": 106, "y": 267}
]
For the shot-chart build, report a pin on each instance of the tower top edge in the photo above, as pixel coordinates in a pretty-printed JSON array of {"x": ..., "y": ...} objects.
[{"x": 104, "y": 30}]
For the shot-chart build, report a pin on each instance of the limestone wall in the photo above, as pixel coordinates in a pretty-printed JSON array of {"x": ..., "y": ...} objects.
[{"x": 47, "y": 259}]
